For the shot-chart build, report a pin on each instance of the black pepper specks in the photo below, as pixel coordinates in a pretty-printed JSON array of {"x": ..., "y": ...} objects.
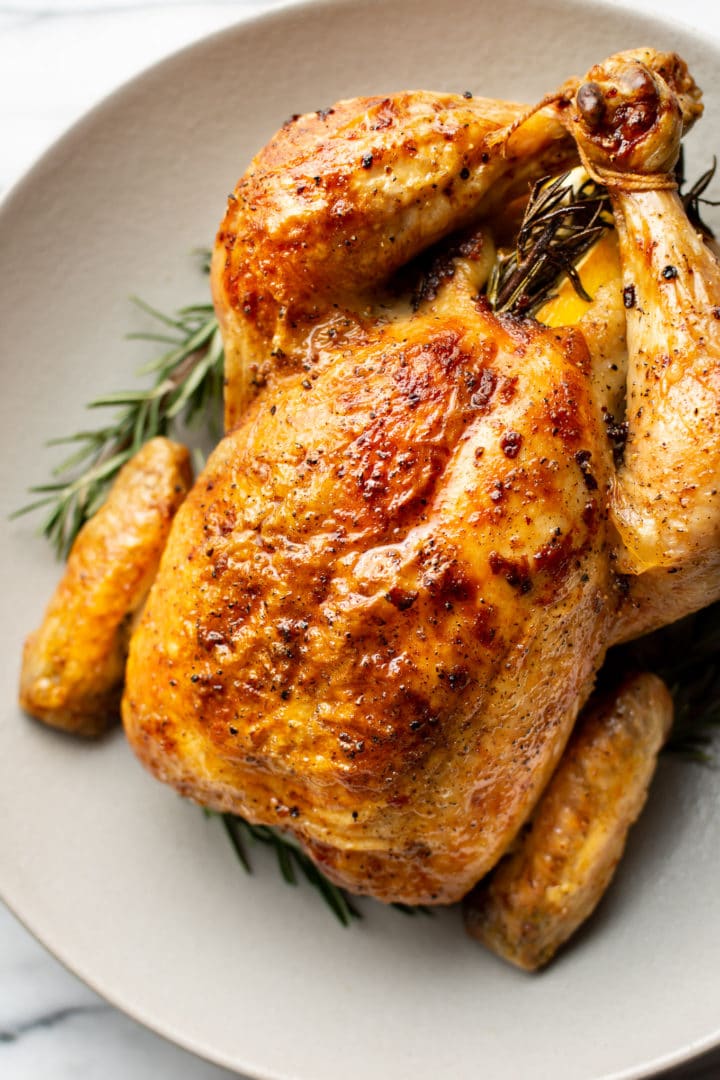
[
  {"x": 511, "y": 443},
  {"x": 669, "y": 273},
  {"x": 617, "y": 432},
  {"x": 349, "y": 745},
  {"x": 629, "y": 299},
  {"x": 583, "y": 459},
  {"x": 464, "y": 173},
  {"x": 366, "y": 161},
  {"x": 400, "y": 598},
  {"x": 467, "y": 94}
]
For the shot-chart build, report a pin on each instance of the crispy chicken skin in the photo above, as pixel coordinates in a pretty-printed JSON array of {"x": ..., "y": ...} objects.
[
  {"x": 73, "y": 666},
  {"x": 562, "y": 864},
  {"x": 383, "y": 602}
]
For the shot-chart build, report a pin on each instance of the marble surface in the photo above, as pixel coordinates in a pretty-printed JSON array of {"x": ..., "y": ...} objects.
[{"x": 56, "y": 60}]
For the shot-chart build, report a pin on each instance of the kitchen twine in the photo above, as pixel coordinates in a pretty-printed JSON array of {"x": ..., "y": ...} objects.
[{"x": 612, "y": 179}]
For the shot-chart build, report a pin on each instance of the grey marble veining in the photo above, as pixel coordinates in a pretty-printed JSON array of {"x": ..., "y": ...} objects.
[
  {"x": 55, "y": 62},
  {"x": 52, "y": 1027}
]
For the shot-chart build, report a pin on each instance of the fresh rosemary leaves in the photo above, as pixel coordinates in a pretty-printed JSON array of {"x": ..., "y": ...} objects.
[
  {"x": 291, "y": 861},
  {"x": 686, "y": 656},
  {"x": 563, "y": 219},
  {"x": 186, "y": 385},
  {"x": 694, "y": 197}
]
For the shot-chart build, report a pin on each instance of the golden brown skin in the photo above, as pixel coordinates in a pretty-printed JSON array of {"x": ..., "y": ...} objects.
[
  {"x": 667, "y": 497},
  {"x": 561, "y": 866},
  {"x": 341, "y": 199},
  {"x": 74, "y": 664},
  {"x": 384, "y": 601}
]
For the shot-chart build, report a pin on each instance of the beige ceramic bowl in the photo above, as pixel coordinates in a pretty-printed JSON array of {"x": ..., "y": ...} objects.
[{"x": 132, "y": 888}]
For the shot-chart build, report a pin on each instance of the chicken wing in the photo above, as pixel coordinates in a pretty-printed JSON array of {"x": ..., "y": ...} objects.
[
  {"x": 561, "y": 865},
  {"x": 74, "y": 664}
]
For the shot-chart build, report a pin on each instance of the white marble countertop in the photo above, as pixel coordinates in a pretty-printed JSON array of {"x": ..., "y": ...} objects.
[{"x": 57, "y": 58}]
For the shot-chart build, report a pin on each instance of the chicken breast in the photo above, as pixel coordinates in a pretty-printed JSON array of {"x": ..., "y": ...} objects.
[{"x": 383, "y": 603}]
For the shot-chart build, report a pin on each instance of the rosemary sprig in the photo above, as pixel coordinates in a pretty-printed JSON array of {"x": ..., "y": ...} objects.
[
  {"x": 694, "y": 197},
  {"x": 686, "y": 656},
  {"x": 563, "y": 219},
  {"x": 291, "y": 862},
  {"x": 186, "y": 386}
]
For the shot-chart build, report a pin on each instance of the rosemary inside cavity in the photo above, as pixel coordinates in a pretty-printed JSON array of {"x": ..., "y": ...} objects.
[
  {"x": 565, "y": 216},
  {"x": 694, "y": 197}
]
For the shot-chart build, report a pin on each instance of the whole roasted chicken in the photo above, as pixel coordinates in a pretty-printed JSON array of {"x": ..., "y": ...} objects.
[{"x": 385, "y": 600}]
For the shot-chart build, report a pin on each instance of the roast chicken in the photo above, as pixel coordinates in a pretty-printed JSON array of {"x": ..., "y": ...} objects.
[{"x": 385, "y": 601}]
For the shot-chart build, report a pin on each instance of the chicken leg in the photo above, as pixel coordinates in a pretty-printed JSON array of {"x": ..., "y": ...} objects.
[{"x": 666, "y": 497}]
